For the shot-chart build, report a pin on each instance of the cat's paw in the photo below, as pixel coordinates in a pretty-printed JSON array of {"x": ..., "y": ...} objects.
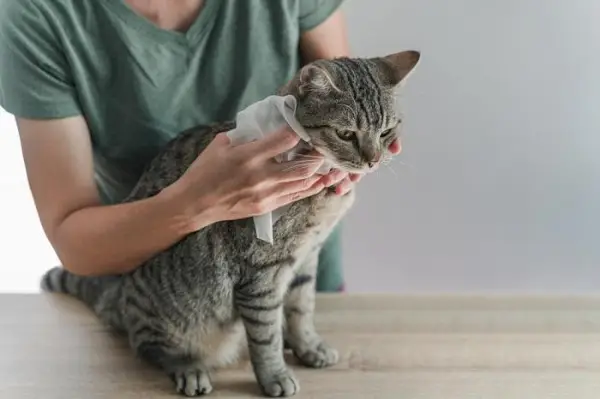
[
  {"x": 319, "y": 356},
  {"x": 281, "y": 384},
  {"x": 192, "y": 382}
]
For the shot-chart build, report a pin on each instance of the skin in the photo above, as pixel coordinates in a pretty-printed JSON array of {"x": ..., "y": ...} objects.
[{"x": 95, "y": 239}]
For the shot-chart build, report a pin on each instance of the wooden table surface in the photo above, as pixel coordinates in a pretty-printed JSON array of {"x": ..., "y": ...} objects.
[{"x": 398, "y": 347}]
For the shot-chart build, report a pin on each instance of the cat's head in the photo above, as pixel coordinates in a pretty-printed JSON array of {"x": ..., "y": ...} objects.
[{"x": 347, "y": 106}]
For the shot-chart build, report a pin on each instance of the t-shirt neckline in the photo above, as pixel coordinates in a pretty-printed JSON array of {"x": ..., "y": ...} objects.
[{"x": 143, "y": 24}]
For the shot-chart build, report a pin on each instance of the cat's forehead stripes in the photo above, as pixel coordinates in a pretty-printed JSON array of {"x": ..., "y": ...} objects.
[{"x": 360, "y": 77}]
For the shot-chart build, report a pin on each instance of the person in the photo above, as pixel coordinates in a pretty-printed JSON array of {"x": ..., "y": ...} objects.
[{"x": 97, "y": 87}]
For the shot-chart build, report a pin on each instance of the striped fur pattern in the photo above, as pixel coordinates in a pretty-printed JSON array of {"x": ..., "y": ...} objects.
[{"x": 220, "y": 292}]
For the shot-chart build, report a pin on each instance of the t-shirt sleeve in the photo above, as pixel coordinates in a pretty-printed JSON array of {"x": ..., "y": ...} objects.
[
  {"x": 35, "y": 82},
  {"x": 314, "y": 12}
]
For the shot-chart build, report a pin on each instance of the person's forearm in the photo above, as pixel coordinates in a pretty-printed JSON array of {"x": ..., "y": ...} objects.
[{"x": 116, "y": 239}]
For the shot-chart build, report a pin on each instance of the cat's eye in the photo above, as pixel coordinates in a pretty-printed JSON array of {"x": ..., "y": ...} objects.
[
  {"x": 346, "y": 134},
  {"x": 387, "y": 133}
]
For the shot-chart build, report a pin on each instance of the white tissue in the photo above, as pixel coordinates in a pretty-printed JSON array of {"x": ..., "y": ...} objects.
[{"x": 256, "y": 121}]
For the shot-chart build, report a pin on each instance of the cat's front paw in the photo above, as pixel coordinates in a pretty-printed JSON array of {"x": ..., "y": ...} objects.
[
  {"x": 319, "y": 356},
  {"x": 280, "y": 384},
  {"x": 192, "y": 383}
]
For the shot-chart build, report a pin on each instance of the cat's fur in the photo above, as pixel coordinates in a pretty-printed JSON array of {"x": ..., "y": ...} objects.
[{"x": 197, "y": 305}]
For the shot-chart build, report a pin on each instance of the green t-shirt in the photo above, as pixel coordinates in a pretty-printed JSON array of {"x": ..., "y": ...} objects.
[{"x": 138, "y": 85}]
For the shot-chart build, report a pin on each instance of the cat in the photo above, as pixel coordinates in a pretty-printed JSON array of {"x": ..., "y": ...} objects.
[{"x": 220, "y": 292}]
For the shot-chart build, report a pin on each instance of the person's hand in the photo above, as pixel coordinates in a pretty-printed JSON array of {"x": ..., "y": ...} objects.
[
  {"x": 344, "y": 182},
  {"x": 235, "y": 182}
]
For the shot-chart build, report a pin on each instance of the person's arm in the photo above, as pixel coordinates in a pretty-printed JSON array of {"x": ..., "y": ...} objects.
[
  {"x": 36, "y": 86},
  {"x": 327, "y": 40},
  {"x": 90, "y": 238}
]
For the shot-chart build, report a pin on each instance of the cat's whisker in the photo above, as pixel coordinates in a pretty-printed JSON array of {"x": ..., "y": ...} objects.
[
  {"x": 388, "y": 161},
  {"x": 406, "y": 164},
  {"x": 392, "y": 170},
  {"x": 308, "y": 156},
  {"x": 300, "y": 161}
]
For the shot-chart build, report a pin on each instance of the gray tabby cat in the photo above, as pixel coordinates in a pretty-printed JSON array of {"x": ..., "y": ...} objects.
[{"x": 198, "y": 305}]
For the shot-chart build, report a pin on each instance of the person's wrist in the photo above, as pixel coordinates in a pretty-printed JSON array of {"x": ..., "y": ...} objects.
[{"x": 188, "y": 212}]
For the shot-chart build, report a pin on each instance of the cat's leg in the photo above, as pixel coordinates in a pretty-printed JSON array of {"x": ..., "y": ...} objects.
[
  {"x": 301, "y": 335},
  {"x": 260, "y": 305},
  {"x": 152, "y": 344}
]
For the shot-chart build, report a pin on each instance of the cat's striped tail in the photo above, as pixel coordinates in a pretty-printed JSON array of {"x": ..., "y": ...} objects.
[{"x": 87, "y": 289}]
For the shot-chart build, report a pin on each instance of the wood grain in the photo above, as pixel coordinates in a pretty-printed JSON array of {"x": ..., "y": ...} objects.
[{"x": 405, "y": 347}]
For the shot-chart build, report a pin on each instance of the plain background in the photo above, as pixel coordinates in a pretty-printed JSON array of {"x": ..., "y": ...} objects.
[{"x": 498, "y": 187}]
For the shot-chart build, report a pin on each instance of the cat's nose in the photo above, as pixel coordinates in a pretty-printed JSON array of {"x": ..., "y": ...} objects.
[{"x": 374, "y": 162}]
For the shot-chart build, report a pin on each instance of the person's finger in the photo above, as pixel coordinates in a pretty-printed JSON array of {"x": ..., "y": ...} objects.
[
  {"x": 297, "y": 169},
  {"x": 344, "y": 187},
  {"x": 298, "y": 195},
  {"x": 271, "y": 145},
  {"x": 333, "y": 177},
  {"x": 395, "y": 147},
  {"x": 220, "y": 140},
  {"x": 355, "y": 177},
  {"x": 292, "y": 187}
]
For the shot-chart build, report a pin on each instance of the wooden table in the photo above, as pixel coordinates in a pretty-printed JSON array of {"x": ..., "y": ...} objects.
[{"x": 393, "y": 347}]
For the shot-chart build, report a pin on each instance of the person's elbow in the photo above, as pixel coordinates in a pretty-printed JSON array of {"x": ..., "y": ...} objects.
[{"x": 72, "y": 255}]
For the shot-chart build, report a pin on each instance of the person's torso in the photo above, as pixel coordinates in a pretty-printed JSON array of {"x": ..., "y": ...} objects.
[{"x": 139, "y": 86}]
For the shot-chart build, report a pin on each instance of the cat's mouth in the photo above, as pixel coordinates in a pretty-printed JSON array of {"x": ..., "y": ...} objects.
[
  {"x": 344, "y": 165},
  {"x": 334, "y": 162},
  {"x": 352, "y": 168}
]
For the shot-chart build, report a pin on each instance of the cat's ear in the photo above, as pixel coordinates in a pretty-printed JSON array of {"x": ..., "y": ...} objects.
[
  {"x": 315, "y": 77},
  {"x": 395, "y": 68}
]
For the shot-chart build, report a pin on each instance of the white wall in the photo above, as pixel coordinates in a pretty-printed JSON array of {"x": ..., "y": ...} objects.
[
  {"x": 24, "y": 251},
  {"x": 500, "y": 190},
  {"x": 498, "y": 187}
]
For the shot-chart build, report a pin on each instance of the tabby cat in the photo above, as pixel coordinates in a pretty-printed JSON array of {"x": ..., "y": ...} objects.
[{"x": 220, "y": 291}]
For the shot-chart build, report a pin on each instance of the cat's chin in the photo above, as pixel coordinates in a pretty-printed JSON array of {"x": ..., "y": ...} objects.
[{"x": 353, "y": 170}]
